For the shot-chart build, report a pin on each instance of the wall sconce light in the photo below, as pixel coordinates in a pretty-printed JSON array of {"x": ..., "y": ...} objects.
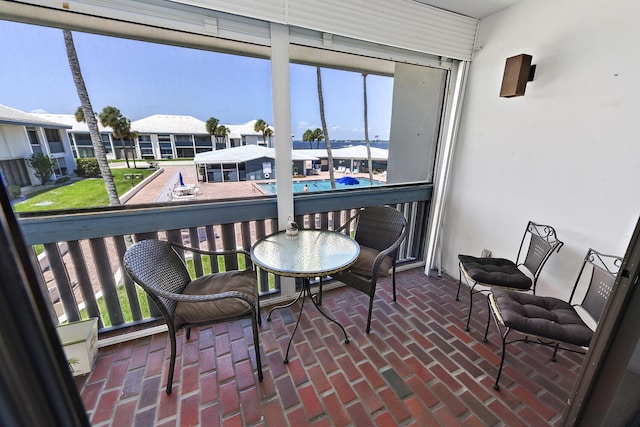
[{"x": 517, "y": 72}]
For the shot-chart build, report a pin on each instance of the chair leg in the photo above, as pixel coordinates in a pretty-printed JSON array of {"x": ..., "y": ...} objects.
[
  {"x": 393, "y": 281},
  {"x": 256, "y": 341},
  {"x": 466, "y": 328},
  {"x": 459, "y": 283},
  {"x": 370, "y": 312},
  {"x": 504, "y": 350},
  {"x": 555, "y": 351},
  {"x": 486, "y": 331},
  {"x": 172, "y": 361},
  {"x": 320, "y": 292},
  {"x": 188, "y": 333}
]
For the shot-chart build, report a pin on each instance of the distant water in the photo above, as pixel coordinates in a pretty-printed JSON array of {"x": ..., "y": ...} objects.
[{"x": 340, "y": 144}]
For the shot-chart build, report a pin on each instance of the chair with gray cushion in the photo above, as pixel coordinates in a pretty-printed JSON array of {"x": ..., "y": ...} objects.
[
  {"x": 159, "y": 268},
  {"x": 379, "y": 230},
  {"x": 552, "y": 321},
  {"x": 538, "y": 243}
]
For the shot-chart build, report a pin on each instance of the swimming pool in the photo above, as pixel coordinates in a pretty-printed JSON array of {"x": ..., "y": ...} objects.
[{"x": 317, "y": 185}]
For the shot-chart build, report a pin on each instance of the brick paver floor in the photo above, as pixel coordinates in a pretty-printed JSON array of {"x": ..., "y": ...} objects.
[{"x": 417, "y": 367}]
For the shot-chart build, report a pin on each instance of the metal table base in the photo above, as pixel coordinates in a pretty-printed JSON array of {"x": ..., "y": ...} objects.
[{"x": 304, "y": 292}]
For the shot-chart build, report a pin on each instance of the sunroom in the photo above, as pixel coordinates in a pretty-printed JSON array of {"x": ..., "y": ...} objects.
[{"x": 472, "y": 169}]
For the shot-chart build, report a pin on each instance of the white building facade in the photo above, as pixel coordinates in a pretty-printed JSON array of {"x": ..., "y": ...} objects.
[
  {"x": 23, "y": 134},
  {"x": 159, "y": 136}
]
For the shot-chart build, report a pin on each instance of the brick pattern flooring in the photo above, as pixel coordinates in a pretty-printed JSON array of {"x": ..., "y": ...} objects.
[{"x": 417, "y": 367}]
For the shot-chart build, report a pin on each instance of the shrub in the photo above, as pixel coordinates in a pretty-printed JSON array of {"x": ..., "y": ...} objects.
[
  {"x": 14, "y": 192},
  {"x": 42, "y": 166},
  {"x": 88, "y": 167}
]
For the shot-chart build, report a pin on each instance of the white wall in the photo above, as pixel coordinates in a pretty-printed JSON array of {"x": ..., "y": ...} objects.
[
  {"x": 70, "y": 161},
  {"x": 415, "y": 122},
  {"x": 567, "y": 153},
  {"x": 13, "y": 142}
]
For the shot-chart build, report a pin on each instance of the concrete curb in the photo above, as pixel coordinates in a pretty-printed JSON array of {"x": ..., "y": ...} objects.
[{"x": 129, "y": 194}]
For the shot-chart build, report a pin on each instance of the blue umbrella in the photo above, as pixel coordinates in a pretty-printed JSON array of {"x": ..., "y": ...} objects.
[
  {"x": 180, "y": 178},
  {"x": 347, "y": 180}
]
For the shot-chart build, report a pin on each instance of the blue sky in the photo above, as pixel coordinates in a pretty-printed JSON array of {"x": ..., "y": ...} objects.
[{"x": 142, "y": 79}]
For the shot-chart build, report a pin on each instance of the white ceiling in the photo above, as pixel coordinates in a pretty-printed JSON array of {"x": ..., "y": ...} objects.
[{"x": 473, "y": 8}]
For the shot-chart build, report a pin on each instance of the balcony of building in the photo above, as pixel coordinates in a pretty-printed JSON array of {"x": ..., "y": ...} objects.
[
  {"x": 418, "y": 366},
  {"x": 563, "y": 154}
]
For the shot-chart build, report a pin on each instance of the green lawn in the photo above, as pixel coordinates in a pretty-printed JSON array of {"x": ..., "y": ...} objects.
[
  {"x": 124, "y": 303},
  {"x": 86, "y": 193}
]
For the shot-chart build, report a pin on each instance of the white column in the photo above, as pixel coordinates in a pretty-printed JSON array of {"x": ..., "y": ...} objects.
[
  {"x": 280, "y": 93},
  {"x": 453, "y": 109},
  {"x": 282, "y": 120}
]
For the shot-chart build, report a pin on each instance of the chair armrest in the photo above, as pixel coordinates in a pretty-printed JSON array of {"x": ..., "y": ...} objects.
[
  {"x": 206, "y": 252},
  {"x": 385, "y": 252},
  {"x": 349, "y": 221},
  {"x": 206, "y": 298}
]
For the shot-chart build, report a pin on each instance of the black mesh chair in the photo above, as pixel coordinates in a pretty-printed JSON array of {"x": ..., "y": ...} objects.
[
  {"x": 537, "y": 245},
  {"x": 158, "y": 268},
  {"x": 552, "y": 321},
  {"x": 379, "y": 230}
]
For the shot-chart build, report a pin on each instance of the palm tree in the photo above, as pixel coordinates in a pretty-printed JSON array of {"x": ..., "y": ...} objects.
[
  {"x": 268, "y": 132},
  {"x": 212, "y": 124},
  {"x": 313, "y": 135},
  {"x": 131, "y": 136},
  {"x": 308, "y": 136},
  {"x": 221, "y": 133},
  {"x": 325, "y": 132},
  {"x": 261, "y": 126},
  {"x": 317, "y": 136},
  {"x": 366, "y": 129},
  {"x": 121, "y": 126},
  {"x": 86, "y": 113}
]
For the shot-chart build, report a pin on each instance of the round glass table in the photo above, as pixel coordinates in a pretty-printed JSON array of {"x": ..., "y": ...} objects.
[{"x": 312, "y": 253}]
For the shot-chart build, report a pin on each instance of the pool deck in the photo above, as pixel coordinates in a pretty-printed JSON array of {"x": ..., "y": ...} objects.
[{"x": 159, "y": 188}]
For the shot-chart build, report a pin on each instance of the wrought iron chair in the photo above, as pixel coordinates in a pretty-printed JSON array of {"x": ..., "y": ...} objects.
[
  {"x": 551, "y": 320},
  {"x": 538, "y": 244},
  {"x": 379, "y": 230},
  {"x": 158, "y": 267}
]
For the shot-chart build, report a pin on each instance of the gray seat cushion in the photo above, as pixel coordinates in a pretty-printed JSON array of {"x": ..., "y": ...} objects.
[
  {"x": 541, "y": 316},
  {"x": 495, "y": 272},
  {"x": 364, "y": 263},
  {"x": 199, "y": 312}
]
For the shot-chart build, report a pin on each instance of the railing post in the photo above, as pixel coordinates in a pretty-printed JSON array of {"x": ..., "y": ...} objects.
[
  {"x": 84, "y": 282},
  {"x": 63, "y": 285},
  {"x": 107, "y": 281}
]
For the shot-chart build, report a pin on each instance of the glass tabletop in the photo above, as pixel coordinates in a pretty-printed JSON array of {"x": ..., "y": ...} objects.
[{"x": 311, "y": 253}]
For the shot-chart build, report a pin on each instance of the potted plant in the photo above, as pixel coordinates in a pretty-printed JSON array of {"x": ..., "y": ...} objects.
[{"x": 80, "y": 343}]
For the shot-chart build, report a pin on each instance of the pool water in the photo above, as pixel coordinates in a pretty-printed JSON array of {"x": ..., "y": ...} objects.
[{"x": 317, "y": 185}]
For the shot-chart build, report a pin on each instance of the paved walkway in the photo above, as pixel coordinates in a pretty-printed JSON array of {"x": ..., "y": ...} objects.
[{"x": 158, "y": 189}]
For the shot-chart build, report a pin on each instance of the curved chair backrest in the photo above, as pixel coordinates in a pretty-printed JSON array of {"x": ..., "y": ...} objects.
[
  {"x": 604, "y": 269},
  {"x": 379, "y": 227},
  {"x": 542, "y": 243},
  {"x": 155, "y": 266}
]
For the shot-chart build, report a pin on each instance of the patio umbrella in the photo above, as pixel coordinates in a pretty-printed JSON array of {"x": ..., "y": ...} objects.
[
  {"x": 347, "y": 180},
  {"x": 180, "y": 179}
]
